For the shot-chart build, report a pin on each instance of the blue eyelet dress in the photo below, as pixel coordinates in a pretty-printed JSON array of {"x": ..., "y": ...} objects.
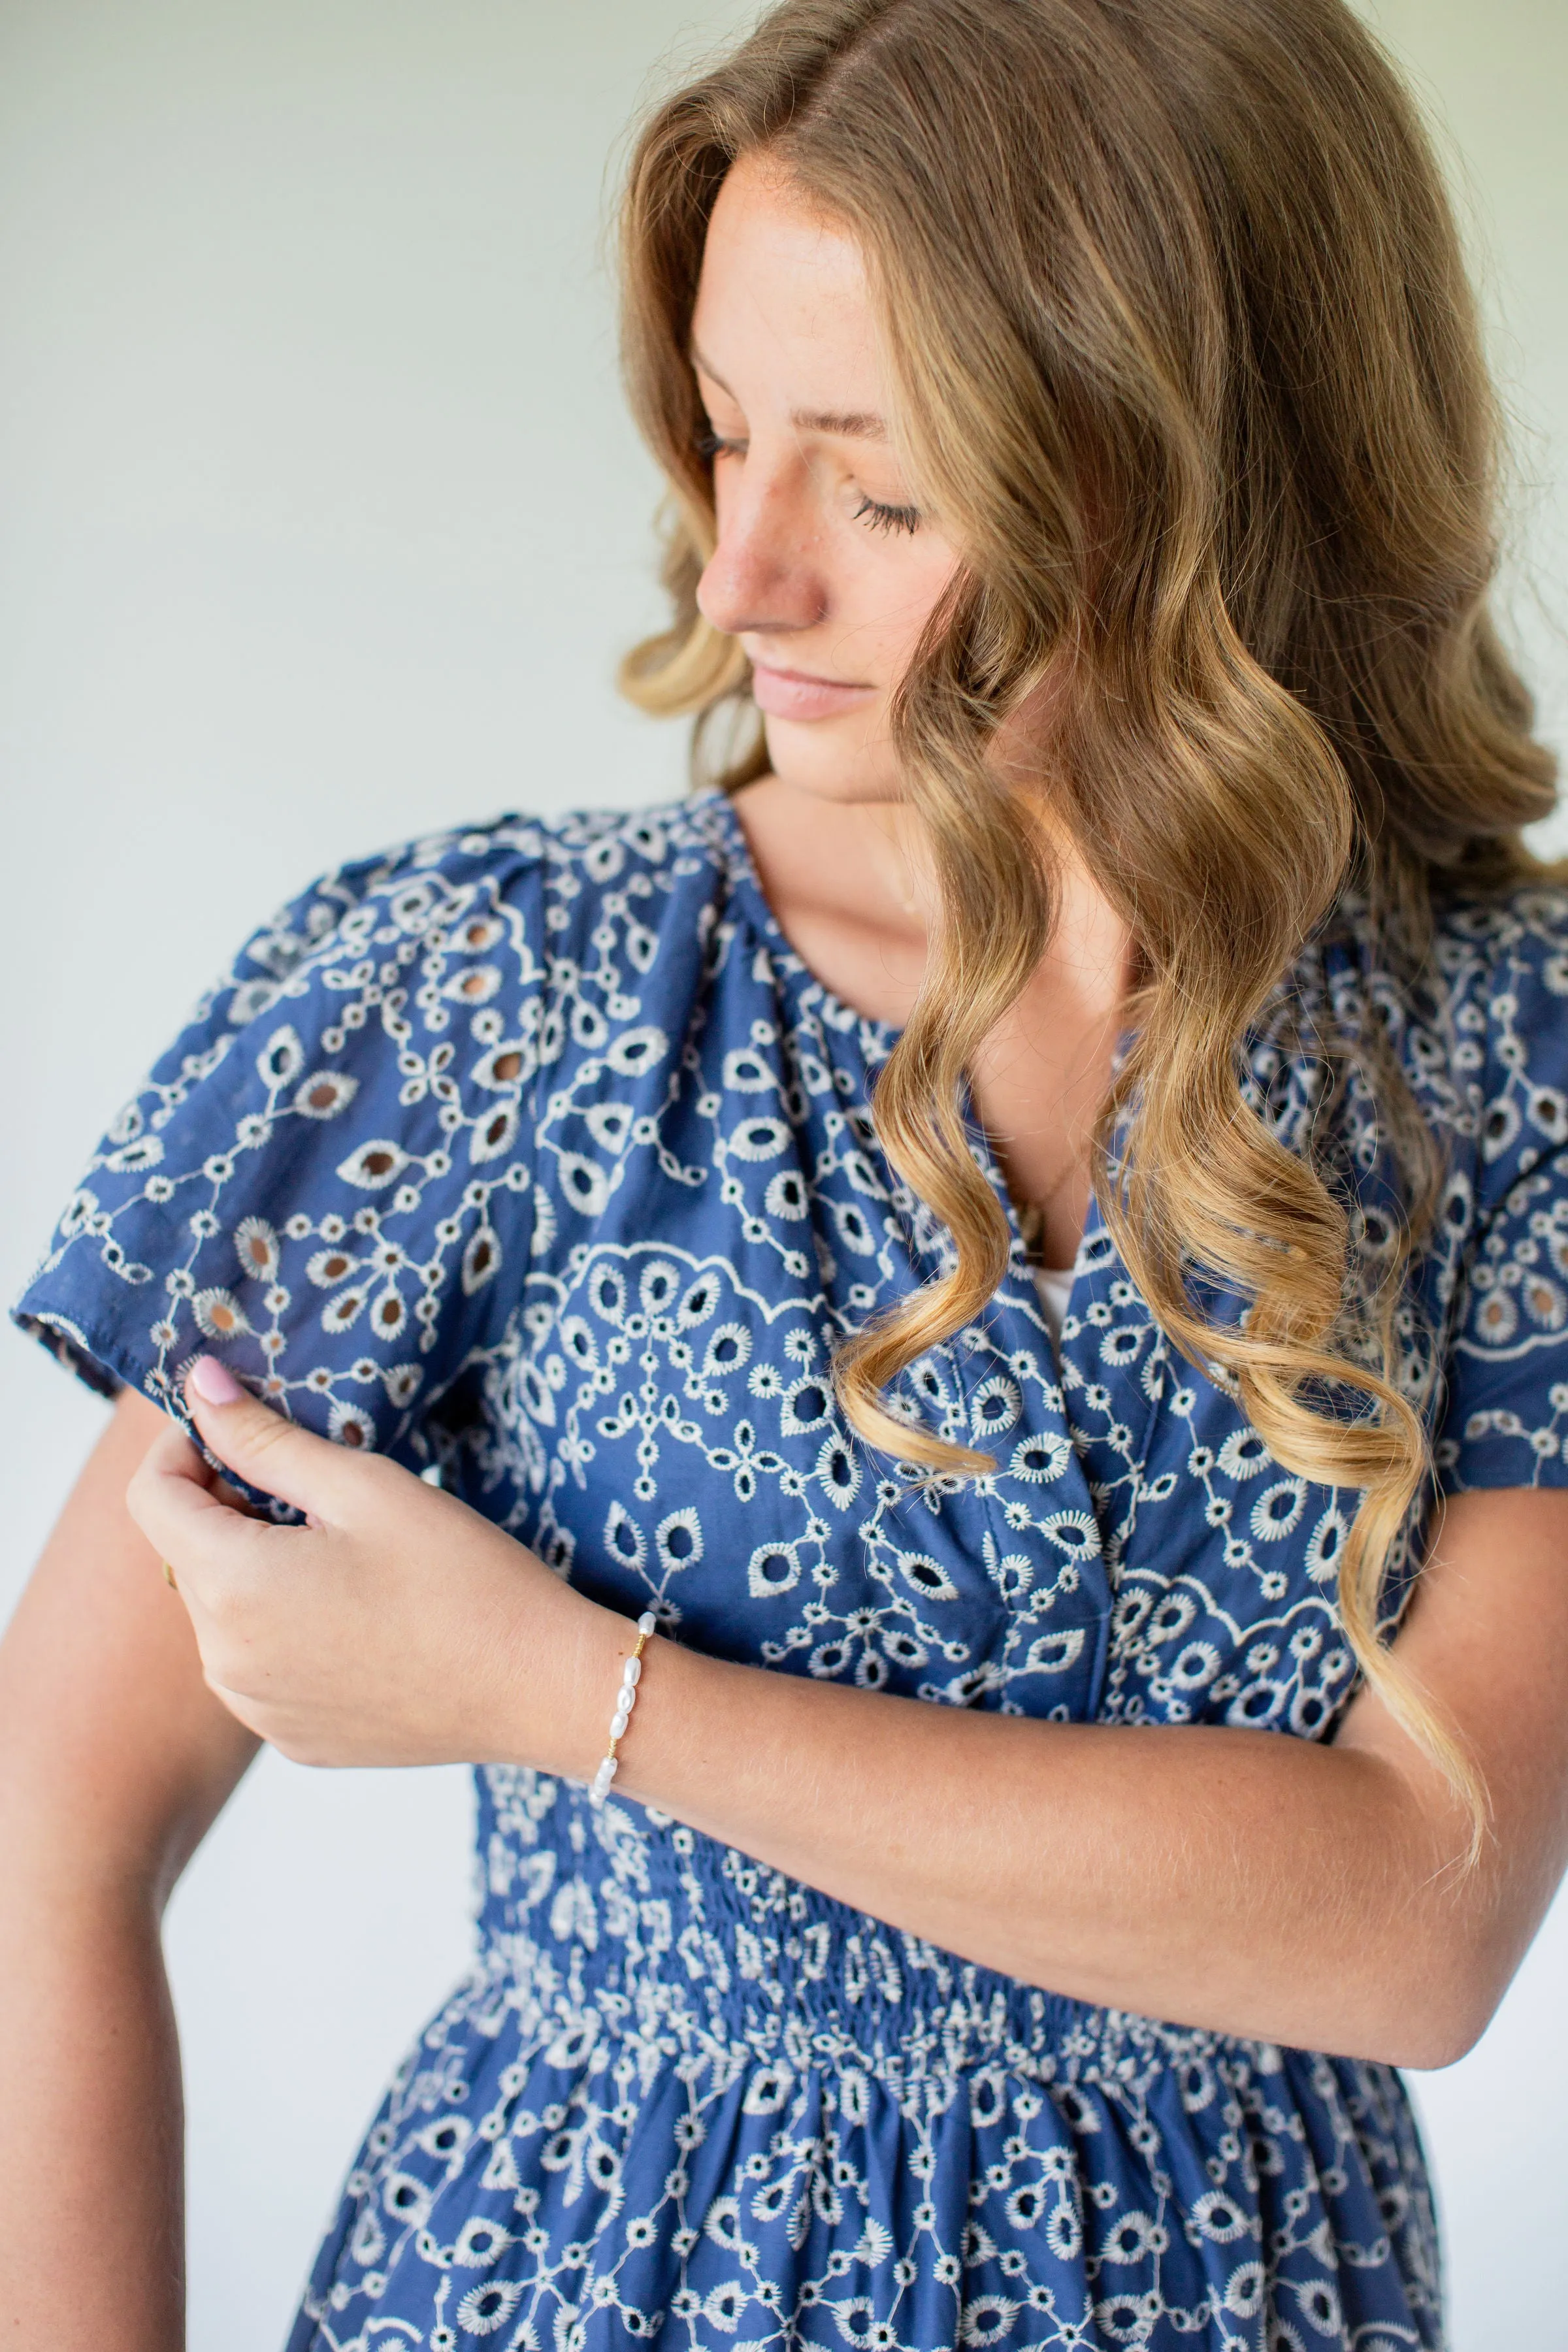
[{"x": 531, "y": 1152}]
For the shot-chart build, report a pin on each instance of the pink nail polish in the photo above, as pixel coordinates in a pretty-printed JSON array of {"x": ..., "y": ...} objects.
[{"x": 214, "y": 1382}]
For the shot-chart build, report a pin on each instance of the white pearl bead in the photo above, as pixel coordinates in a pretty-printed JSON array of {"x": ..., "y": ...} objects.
[{"x": 625, "y": 1699}]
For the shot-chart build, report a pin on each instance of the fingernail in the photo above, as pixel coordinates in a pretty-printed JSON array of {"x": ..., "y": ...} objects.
[{"x": 214, "y": 1381}]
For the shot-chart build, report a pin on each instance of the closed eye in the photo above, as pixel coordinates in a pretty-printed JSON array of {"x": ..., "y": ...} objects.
[
  {"x": 885, "y": 517},
  {"x": 875, "y": 512}
]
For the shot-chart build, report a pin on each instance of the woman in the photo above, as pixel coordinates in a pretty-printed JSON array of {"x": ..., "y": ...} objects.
[{"x": 984, "y": 1255}]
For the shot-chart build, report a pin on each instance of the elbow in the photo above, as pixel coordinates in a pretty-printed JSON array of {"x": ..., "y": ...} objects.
[
  {"x": 1449, "y": 2034},
  {"x": 1424, "y": 2046},
  {"x": 1445, "y": 1939},
  {"x": 1443, "y": 2002}
]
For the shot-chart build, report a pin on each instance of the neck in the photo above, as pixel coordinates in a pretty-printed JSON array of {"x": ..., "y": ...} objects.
[
  {"x": 853, "y": 884},
  {"x": 852, "y": 888}
]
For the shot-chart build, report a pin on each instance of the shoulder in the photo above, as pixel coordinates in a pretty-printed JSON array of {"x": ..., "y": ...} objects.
[
  {"x": 1499, "y": 982},
  {"x": 327, "y": 1169},
  {"x": 1477, "y": 1038},
  {"x": 545, "y": 881},
  {"x": 1479, "y": 939},
  {"x": 1483, "y": 946},
  {"x": 1484, "y": 1041},
  {"x": 1488, "y": 1011},
  {"x": 1501, "y": 978},
  {"x": 442, "y": 969}
]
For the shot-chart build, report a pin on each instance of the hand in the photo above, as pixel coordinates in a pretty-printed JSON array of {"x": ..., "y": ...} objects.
[{"x": 395, "y": 1627}]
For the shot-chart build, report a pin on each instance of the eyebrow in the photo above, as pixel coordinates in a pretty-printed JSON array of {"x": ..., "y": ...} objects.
[
  {"x": 855, "y": 425},
  {"x": 828, "y": 420}
]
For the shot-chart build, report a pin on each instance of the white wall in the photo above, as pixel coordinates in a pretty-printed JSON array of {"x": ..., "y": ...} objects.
[
  {"x": 319, "y": 524},
  {"x": 1495, "y": 75}
]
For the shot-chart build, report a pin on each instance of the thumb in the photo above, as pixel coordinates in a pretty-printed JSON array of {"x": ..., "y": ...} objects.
[{"x": 249, "y": 1438}]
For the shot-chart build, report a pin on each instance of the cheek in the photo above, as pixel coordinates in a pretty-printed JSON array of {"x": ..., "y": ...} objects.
[{"x": 898, "y": 589}]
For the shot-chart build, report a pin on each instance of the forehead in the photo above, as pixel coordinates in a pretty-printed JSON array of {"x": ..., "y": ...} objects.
[{"x": 783, "y": 305}]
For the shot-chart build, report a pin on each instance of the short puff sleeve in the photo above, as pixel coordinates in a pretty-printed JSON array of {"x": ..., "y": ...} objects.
[
  {"x": 1505, "y": 1408},
  {"x": 323, "y": 1178}
]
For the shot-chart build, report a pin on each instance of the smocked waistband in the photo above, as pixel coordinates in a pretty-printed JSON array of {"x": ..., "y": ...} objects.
[{"x": 691, "y": 1946}]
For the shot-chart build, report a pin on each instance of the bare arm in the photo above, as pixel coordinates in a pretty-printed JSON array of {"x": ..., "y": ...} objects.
[
  {"x": 1244, "y": 1881},
  {"x": 1240, "y": 1880},
  {"x": 114, "y": 1760}
]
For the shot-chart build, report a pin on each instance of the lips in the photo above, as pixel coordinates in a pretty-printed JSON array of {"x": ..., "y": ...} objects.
[{"x": 794, "y": 694}]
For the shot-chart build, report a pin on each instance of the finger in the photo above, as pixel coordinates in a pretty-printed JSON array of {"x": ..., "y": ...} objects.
[
  {"x": 171, "y": 1500},
  {"x": 172, "y": 1456},
  {"x": 259, "y": 1446}
]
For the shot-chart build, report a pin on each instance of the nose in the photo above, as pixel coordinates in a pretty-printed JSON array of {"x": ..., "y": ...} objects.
[{"x": 762, "y": 576}]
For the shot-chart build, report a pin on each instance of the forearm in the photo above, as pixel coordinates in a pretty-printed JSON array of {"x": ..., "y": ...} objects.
[
  {"x": 1257, "y": 1884},
  {"x": 114, "y": 1760},
  {"x": 91, "y": 2164}
]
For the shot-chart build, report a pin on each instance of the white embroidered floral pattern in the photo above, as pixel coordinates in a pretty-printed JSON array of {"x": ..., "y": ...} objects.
[{"x": 533, "y": 1153}]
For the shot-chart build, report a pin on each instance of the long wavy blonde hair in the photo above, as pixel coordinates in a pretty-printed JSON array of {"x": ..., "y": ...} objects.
[{"x": 1186, "y": 361}]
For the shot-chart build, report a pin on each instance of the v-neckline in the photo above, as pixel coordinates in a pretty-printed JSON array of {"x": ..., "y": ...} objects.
[{"x": 883, "y": 1035}]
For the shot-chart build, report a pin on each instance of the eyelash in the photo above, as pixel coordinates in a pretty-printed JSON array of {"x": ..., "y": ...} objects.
[
  {"x": 870, "y": 511},
  {"x": 882, "y": 518}
]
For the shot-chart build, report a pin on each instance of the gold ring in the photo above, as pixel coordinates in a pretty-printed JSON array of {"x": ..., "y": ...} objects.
[{"x": 169, "y": 1578}]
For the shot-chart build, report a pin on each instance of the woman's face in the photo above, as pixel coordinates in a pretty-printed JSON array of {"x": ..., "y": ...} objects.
[{"x": 825, "y": 569}]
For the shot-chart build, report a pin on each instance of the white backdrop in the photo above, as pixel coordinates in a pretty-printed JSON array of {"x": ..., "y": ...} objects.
[{"x": 320, "y": 525}]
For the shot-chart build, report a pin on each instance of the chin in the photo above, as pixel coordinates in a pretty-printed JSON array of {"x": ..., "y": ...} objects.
[{"x": 832, "y": 761}]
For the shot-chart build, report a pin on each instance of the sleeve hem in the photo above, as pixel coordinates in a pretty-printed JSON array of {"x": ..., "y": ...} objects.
[{"x": 109, "y": 1370}]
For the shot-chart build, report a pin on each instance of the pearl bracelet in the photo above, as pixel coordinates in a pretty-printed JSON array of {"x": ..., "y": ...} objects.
[{"x": 625, "y": 1699}]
